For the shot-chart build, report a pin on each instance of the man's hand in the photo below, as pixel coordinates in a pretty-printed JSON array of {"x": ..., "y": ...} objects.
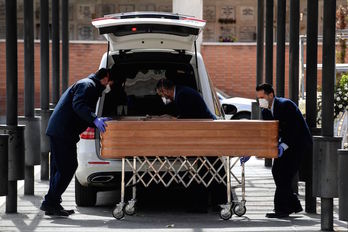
[
  {"x": 280, "y": 151},
  {"x": 244, "y": 159},
  {"x": 100, "y": 123}
]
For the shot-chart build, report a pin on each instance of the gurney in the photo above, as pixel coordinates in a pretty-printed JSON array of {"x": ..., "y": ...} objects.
[{"x": 186, "y": 151}]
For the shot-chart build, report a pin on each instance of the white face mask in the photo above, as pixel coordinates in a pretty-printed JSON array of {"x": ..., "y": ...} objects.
[
  {"x": 166, "y": 101},
  {"x": 107, "y": 89},
  {"x": 263, "y": 103}
]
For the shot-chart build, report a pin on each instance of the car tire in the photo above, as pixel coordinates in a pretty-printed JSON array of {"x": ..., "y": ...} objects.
[
  {"x": 84, "y": 196},
  {"x": 241, "y": 115}
]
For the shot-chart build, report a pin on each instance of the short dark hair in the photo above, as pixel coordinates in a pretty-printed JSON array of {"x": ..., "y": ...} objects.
[
  {"x": 165, "y": 84},
  {"x": 101, "y": 73},
  {"x": 267, "y": 88}
]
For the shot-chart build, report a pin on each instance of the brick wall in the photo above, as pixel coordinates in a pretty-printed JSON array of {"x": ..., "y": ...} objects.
[
  {"x": 84, "y": 58},
  {"x": 232, "y": 68}
]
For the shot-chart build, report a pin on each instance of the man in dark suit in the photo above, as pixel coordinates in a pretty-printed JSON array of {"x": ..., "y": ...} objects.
[
  {"x": 72, "y": 115},
  {"x": 189, "y": 102},
  {"x": 190, "y": 105},
  {"x": 295, "y": 141}
]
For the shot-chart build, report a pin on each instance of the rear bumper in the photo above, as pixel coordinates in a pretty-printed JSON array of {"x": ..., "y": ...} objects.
[
  {"x": 93, "y": 171},
  {"x": 91, "y": 168}
]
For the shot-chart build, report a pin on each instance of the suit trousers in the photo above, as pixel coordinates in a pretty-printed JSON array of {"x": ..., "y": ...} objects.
[
  {"x": 284, "y": 170},
  {"x": 63, "y": 164}
]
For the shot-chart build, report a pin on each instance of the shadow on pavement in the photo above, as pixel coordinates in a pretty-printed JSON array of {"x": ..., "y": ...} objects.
[{"x": 164, "y": 220}]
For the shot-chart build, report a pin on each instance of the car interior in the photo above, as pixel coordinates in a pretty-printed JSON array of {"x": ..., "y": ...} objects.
[{"x": 133, "y": 92}]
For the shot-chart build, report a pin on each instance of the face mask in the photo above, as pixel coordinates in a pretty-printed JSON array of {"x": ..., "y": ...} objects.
[
  {"x": 107, "y": 89},
  {"x": 263, "y": 103},
  {"x": 166, "y": 101}
]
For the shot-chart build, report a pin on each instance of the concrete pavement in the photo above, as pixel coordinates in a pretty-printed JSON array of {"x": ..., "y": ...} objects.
[{"x": 259, "y": 190}]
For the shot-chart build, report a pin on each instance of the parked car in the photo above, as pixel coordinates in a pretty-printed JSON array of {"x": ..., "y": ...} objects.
[
  {"x": 235, "y": 107},
  {"x": 144, "y": 47}
]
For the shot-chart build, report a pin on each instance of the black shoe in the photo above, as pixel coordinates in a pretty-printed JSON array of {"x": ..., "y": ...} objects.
[
  {"x": 277, "y": 215},
  {"x": 70, "y": 211},
  {"x": 54, "y": 210},
  {"x": 297, "y": 209},
  {"x": 60, "y": 213}
]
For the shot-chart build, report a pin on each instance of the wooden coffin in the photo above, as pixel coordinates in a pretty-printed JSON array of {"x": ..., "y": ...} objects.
[{"x": 190, "y": 138}]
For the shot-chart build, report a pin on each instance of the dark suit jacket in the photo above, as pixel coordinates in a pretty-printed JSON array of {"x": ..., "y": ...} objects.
[
  {"x": 75, "y": 110},
  {"x": 293, "y": 129},
  {"x": 190, "y": 104}
]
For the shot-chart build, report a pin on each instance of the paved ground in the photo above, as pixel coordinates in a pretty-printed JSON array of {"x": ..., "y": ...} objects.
[{"x": 260, "y": 190}]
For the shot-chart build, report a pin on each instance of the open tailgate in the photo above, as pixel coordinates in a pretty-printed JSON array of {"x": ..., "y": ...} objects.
[{"x": 149, "y": 30}]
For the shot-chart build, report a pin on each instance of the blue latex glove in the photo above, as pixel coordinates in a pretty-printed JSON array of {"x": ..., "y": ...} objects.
[
  {"x": 100, "y": 123},
  {"x": 280, "y": 151},
  {"x": 244, "y": 159}
]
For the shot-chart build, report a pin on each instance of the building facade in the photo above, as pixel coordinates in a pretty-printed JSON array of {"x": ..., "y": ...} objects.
[{"x": 227, "y": 20}]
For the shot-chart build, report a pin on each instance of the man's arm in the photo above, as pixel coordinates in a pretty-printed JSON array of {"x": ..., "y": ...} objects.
[
  {"x": 79, "y": 103},
  {"x": 289, "y": 125}
]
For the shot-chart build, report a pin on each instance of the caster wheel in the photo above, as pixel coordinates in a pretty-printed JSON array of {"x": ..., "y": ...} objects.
[
  {"x": 129, "y": 210},
  {"x": 239, "y": 209},
  {"x": 225, "y": 214},
  {"x": 118, "y": 213}
]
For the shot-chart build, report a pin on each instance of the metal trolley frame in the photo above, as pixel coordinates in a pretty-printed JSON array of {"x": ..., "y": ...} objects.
[{"x": 182, "y": 170}]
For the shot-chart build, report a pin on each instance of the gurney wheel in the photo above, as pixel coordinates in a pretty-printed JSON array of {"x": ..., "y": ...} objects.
[
  {"x": 118, "y": 213},
  {"x": 239, "y": 209},
  {"x": 129, "y": 210},
  {"x": 225, "y": 214}
]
